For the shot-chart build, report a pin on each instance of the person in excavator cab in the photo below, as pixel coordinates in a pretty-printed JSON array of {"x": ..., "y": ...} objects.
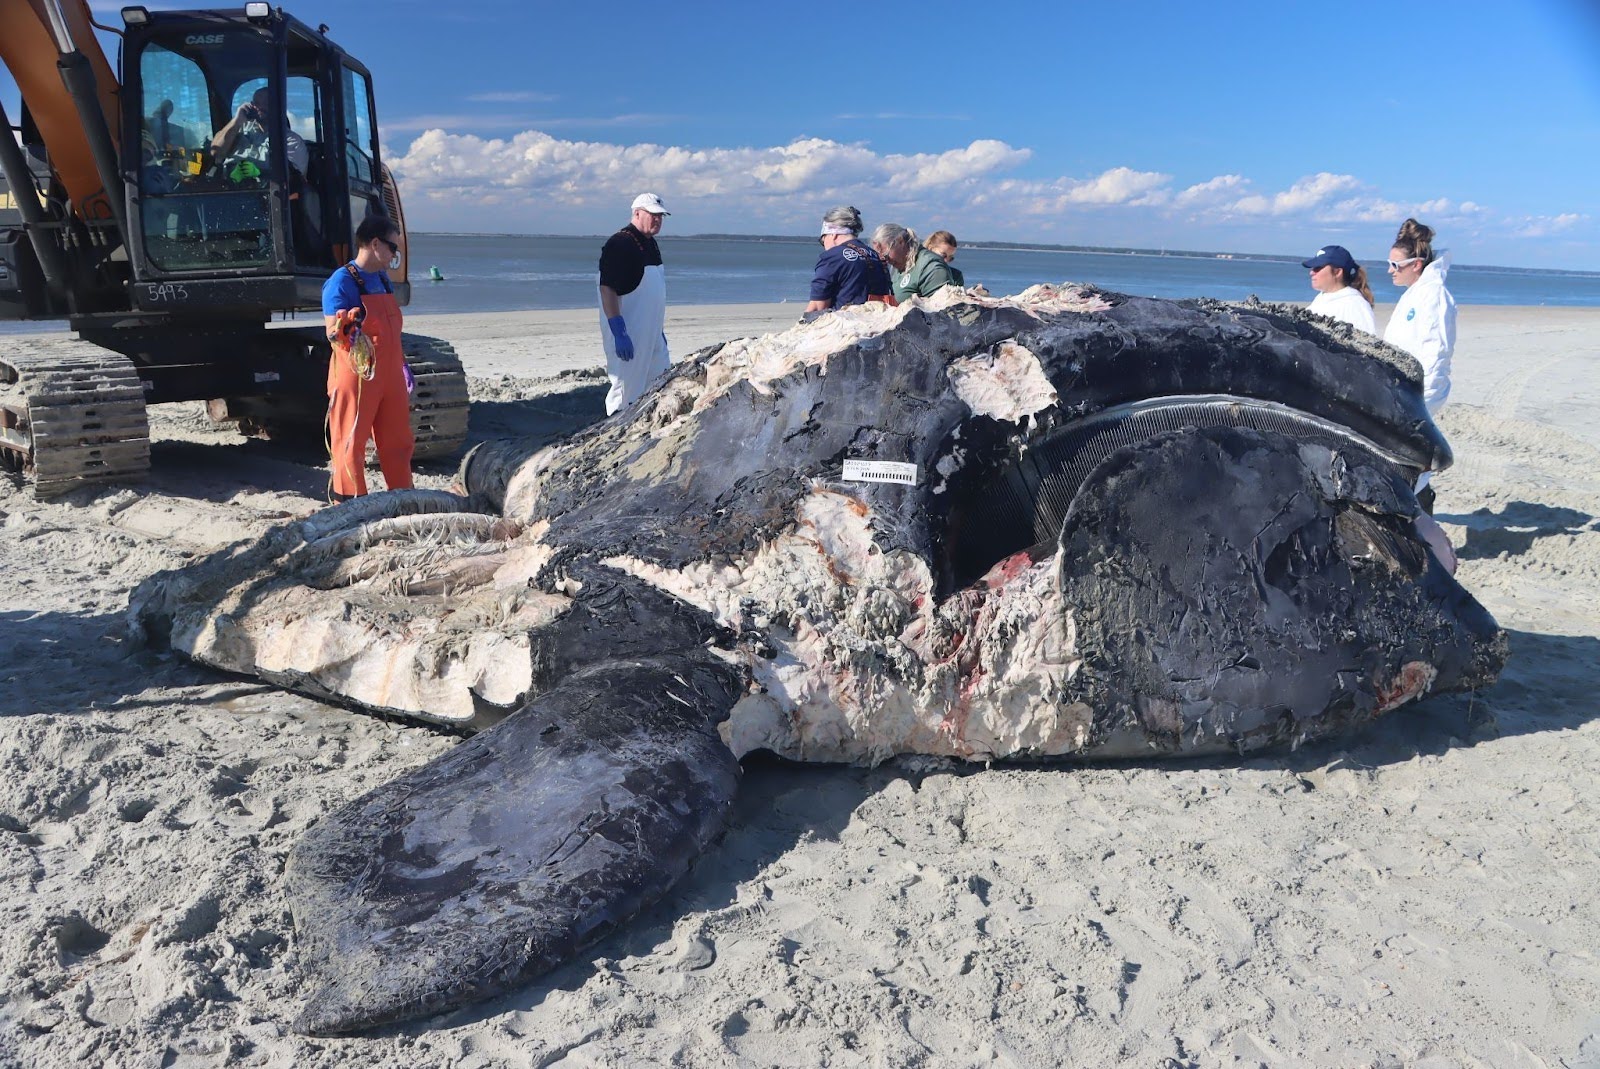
[
  {"x": 240, "y": 150},
  {"x": 248, "y": 135}
]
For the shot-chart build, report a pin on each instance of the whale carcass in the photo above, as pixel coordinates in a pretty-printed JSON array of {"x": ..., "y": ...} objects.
[{"x": 1064, "y": 524}]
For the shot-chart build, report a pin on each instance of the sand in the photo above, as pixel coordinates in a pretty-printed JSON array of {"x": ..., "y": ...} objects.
[{"x": 1421, "y": 894}]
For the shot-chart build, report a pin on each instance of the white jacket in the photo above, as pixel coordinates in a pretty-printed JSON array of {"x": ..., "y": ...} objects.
[
  {"x": 1424, "y": 325},
  {"x": 1347, "y": 306}
]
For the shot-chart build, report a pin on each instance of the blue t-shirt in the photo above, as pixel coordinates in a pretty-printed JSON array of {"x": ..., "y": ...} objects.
[
  {"x": 340, "y": 291},
  {"x": 848, "y": 274}
]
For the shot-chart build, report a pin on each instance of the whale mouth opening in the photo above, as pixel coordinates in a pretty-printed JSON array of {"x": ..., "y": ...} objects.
[{"x": 1020, "y": 505}]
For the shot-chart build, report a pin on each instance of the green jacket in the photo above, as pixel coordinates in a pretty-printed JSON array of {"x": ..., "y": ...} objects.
[{"x": 924, "y": 275}]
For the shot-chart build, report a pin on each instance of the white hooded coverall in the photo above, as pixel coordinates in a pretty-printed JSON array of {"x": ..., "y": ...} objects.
[{"x": 1424, "y": 325}]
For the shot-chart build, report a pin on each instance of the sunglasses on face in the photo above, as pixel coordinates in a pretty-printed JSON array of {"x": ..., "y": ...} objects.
[{"x": 1395, "y": 265}]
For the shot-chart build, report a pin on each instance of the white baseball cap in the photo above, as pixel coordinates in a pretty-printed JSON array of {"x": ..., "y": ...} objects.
[{"x": 650, "y": 203}]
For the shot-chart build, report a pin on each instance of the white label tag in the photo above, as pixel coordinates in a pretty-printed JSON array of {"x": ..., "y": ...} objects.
[
  {"x": 880, "y": 471},
  {"x": 266, "y": 376}
]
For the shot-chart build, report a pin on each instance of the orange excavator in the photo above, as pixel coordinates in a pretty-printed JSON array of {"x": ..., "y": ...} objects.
[{"x": 167, "y": 215}]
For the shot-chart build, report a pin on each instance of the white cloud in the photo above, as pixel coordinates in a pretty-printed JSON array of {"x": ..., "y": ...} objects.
[
  {"x": 1313, "y": 192},
  {"x": 925, "y": 171},
  {"x": 540, "y": 168},
  {"x": 1544, "y": 226},
  {"x": 1216, "y": 191},
  {"x": 1322, "y": 200},
  {"x": 1314, "y": 195},
  {"x": 1363, "y": 209},
  {"x": 534, "y": 180},
  {"x": 1119, "y": 185}
]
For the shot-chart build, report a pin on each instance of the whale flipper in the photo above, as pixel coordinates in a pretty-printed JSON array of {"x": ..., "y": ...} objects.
[{"x": 529, "y": 841}]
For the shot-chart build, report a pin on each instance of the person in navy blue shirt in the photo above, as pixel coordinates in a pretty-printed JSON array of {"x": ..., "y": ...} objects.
[{"x": 847, "y": 272}]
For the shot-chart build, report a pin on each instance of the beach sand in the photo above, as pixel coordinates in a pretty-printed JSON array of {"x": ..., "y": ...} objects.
[{"x": 1423, "y": 893}]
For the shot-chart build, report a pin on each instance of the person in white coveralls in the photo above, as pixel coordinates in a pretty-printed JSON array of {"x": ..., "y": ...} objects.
[{"x": 1424, "y": 319}]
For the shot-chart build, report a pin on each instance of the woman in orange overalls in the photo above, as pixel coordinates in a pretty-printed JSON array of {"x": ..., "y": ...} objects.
[{"x": 367, "y": 398}]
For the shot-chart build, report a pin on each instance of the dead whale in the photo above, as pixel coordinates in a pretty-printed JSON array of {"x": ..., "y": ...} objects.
[{"x": 1068, "y": 524}]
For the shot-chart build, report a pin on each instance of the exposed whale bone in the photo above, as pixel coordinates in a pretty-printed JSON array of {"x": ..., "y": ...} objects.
[{"x": 1105, "y": 527}]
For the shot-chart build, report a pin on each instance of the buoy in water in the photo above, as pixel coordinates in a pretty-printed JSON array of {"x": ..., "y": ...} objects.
[{"x": 435, "y": 275}]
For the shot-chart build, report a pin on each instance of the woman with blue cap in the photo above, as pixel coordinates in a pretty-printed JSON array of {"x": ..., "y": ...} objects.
[{"x": 1342, "y": 290}]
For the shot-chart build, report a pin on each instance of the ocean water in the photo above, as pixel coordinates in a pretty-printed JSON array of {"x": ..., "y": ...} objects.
[
  {"x": 495, "y": 273},
  {"x": 499, "y": 273}
]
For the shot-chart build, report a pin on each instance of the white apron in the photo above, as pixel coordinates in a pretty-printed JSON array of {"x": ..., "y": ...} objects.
[{"x": 645, "y": 313}]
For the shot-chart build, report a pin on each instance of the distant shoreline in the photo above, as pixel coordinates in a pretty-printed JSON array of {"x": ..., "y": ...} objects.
[{"x": 1019, "y": 246}]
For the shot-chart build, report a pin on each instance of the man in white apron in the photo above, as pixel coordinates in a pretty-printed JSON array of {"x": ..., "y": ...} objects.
[{"x": 633, "y": 305}]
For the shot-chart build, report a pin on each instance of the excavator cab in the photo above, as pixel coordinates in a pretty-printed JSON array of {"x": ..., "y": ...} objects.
[
  {"x": 168, "y": 211},
  {"x": 256, "y": 144}
]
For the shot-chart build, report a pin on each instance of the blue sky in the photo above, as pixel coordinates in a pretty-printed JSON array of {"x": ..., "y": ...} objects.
[{"x": 1254, "y": 127}]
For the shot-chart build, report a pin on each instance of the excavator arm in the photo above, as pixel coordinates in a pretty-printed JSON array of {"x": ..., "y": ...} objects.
[{"x": 38, "y": 40}]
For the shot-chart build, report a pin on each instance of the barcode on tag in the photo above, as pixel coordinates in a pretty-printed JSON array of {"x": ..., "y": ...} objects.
[{"x": 880, "y": 471}]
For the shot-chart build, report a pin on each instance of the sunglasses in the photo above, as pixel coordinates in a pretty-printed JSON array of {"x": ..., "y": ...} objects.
[
  {"x": 394, "y": 250},
  {"x": 1395, "y": 265}
]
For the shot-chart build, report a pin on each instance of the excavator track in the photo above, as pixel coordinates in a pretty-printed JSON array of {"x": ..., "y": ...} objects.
[
  {"x": 72, "y": 415},
  {"x": 439, "y": 402}
]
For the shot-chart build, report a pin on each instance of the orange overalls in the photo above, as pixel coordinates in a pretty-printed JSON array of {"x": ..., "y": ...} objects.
[{"x": 378, "y": 408}]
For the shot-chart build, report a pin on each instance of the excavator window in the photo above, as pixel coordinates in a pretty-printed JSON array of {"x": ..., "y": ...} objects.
[
  {"x": 358, "y": 141},
  {"x": 203, "y": 210},
  {"x": 307, "y": 208},
  {"x": 177, "y": 113}
]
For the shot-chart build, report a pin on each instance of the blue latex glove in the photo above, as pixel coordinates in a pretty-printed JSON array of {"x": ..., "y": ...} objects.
[{"x": 619, "y": 334}]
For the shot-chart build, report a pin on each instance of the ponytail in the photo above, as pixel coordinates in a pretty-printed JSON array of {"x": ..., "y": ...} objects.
[{"x": 1359, "y": 281}]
